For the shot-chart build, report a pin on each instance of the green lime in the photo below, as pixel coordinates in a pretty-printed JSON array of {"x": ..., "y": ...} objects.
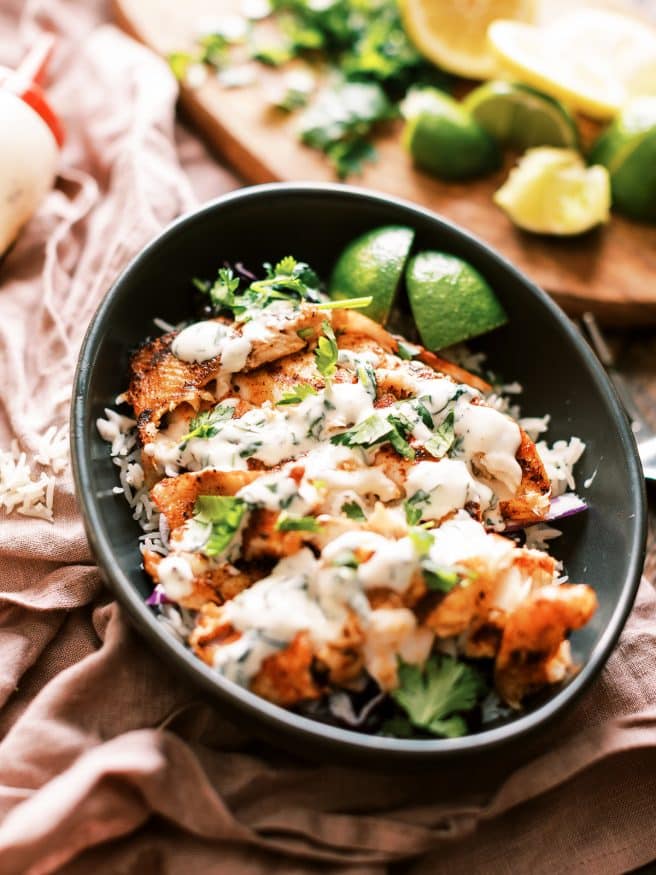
[
  {"x": 628, "y": 149},
  {"x": 450, "y": 300},
  {"x": 551, "y": 191},
  {"x": 372, "y": 264},
  {"x": 444, "y": 139},
  {"x": 520, "y": 116}
]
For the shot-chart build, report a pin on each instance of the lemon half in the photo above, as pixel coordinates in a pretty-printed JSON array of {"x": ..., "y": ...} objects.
[
  {"x": 591, "y": 59},
  {"x": 453, "y": 33}
]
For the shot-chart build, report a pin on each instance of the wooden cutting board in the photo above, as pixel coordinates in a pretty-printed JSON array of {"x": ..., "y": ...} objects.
[{"x": 611, "y": 270}]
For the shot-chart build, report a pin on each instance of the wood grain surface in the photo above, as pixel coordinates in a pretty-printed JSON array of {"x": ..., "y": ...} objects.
[{"x": 610, "y": 270}]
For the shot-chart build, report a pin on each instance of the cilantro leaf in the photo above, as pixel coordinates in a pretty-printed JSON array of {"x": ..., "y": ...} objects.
[
  {"x": 443, "y": 438},
  {"x": 222, "y": 292},
  {"x": 340, "y": 119},
  {"x": 298, "y": 393},
  {"x": 406, "y": 351},
  {"x": 289, "y": 275},
  {"x": 353, "y": 511},
  {"x": 224, "y": 514},
  {"x": 421, "y": 541},
  {"x": 206, "y": 424},
  {"x": 372, "y": 430},
  {"x": 377, "y": 429},
  {"x": 412, "y": 507},
  {"x": 288, "y": 523},
  {"x": 434, "y": 697},
  {"x": 345, "y": 559},
  {"x": 439, "y": 578},
  {"x": 367, "y": 376},
  {"x": 327, "y": 352}
]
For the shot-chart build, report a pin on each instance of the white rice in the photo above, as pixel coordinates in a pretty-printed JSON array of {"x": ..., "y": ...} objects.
[
  {"x": 559, "y": 461},
  {"x": 121, "y": 432},
  {"x": 28, "y": 493}
]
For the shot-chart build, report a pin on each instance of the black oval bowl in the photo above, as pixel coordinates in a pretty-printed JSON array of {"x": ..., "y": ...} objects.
[{"x": 539, "y": 347}]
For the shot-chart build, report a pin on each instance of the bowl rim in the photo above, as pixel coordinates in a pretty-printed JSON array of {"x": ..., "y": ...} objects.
[{"x": 257, "y": 708}]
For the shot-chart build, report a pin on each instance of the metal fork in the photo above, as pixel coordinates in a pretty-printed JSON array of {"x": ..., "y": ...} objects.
[{"x": 644, "y": 434}]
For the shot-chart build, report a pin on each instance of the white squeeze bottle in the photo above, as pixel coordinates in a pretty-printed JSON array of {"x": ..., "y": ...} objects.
[{"x": 30, "y": 138}]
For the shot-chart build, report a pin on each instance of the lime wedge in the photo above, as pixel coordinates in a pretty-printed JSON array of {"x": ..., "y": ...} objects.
[
  {"x": 519, "y": 116},
  {"x": 628, "y": 149},
  {"x": 551, "y": 191},
  {"x": 453, "y": 33},
  {"x": 444, "y": 139},
  {"x": 372, "y": 264},
  {"x": 450, "y": 300}
]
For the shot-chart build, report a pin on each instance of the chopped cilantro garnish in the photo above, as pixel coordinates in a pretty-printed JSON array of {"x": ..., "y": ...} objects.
[
  {"x": 435, "y": 697},
  {"x": 379, "y": 428},
  {"x": 206, "y": 424},
  {"x": 443, "y": 438},
  {"x": 406, "y": 351},
  {"x": 412, "y": 507},
  {"x": 326, "y": 353},
  {"x": 297, "y": 394},
  {"x": 222, "y": 291},
  {"x": 305, "y": 333},
  {"x": 289, "y": 280},
  {"x": 288, "y": 275},
  {"x": 421, "y": 541},
  {"x": 288, "y": 523},
  {"x": 367, "y": 376},
  {"x": 372, "y": 430},
  {"x": 440, "y": 578},
  {"x": 224, "y": 514},
  {"x": 353, "y": 511},
  {"x": 273, "y": 54},
  {"x": 346, "y": 559}
]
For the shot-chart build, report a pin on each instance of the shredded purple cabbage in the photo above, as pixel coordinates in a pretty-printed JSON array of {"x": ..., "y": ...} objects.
[
  {"x": 158, "y": 597},
  {"x": 562, "y": 507}
]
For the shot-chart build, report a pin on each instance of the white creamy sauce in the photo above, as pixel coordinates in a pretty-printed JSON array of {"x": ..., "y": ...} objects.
[
  {"x": 306, "y": 594},
  {"x": 272, "y": 611},
  {"x": 492, "y": 439},
  {"x": 449, "y": 485},
  {"x": 201, "y": 341},
  {"x": 392, "y": 633},
  {"x": 463, "y": 538},
  {"x": 175, "y": 577},
  {"x": 205, "y": 340}
]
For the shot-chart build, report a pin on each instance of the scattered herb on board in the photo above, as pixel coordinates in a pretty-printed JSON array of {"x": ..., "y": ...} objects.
[{"x": 370, "y": 60}]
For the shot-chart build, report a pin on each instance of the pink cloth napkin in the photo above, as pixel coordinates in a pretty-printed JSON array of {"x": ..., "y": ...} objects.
[{"x": 108, "y": 763}]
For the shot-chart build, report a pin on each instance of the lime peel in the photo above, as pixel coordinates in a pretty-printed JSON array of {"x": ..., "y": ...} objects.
[{"x": 450, "y": 300}]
